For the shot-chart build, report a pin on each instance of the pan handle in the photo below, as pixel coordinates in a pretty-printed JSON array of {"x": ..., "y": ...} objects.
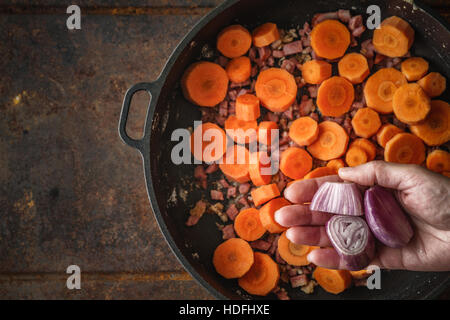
[{"x": 151, "y": 88}]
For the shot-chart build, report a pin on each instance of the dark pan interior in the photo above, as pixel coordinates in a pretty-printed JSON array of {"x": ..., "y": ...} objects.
[{"x": 171, "y": 186}]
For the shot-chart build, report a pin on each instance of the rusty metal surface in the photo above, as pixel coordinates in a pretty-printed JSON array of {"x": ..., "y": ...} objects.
[{"x": 70, "y": 191}]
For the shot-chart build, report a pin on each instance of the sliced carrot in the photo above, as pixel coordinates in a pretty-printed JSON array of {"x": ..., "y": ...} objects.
[
  {"x": 266, "y": 131},
  {"x": 248, "y": 225},
  {"x": 367, "y": 145},
  {"x": 354, "y": 67},
  {"x": 259, "y": 163},
  {"x": 304, "y": 131},
  {"x": 262, "y": 277},
  {"x": 316, "y": 71},
  {"x": 239, "y": 69},
  {"x": 332, "y": 281},
  {"x": 438, "y": 161},
  {"x": 234, "y": 164},
  {"x": 233, "y": 258},
  {"x": 332, "y": 141},
  {"x": 411, "y": 104},
  {"x": 205, "y": 84},
  {"x": 380, "y": 88},
  {"x": 247, "y": 107},
  {"x": 405, "y": 148},
  {"x": 208, "y": 142},
  {"x": 435, "y": 129},
  {"x": 241, "y": 131},
  {"x": 360, "y": 274},
  {"x": 265, "y": 34},
  {"x": 295, "y": 162},
  {"x": 386, "y": 132},
  {"x": 265, "y": 193},
  {"x": 320, "y": 172},
  {"x": 276, "y": 88},
  {"x": 267, "y": 214},
  {"x": 293, "y": 254},
  {"x": 234, "y": 41},
  {"x": 366, "y": 122},
  {"x": 394, "y": 37},
  {"x": 335, "y": 96},
  {"x": 355, "y": 156},
  {"x": 414, "y": 68},
  {"x": 330, "y": 39},
  {"x": 336, "y": 164},
  {"x": 433, "y": 84}
]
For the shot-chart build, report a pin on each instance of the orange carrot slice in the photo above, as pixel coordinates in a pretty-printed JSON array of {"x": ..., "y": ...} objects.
[
  {"x": 239, "y": 69},
  {"x": 295, "y": 162},
  {"x": 293, "y": 254},
  {"x": 394, "y": 37},
  {"x": 208, "y": 142},
  {"x": 233, "y": 258},
  {"x": 234, "y": 41},
  {"x": 247, "y": 107},
  {"x": 435, "y": 129},
  {"x": 304, "y": 131},
  {"x": 355, "y": 156},
  {"x": 248, "y": 225},
  {"x": 319, "y": 172},
  {"x": 433, "y": 84},
  {"x": 235, "y": 164},
  {"x": 336, "y": 164},
  {"x": 263, "y": 276},
  {"x": 438, "y": 161},
  {"x": 205, "y": 84},
  {"x": 411, "y": 104},
  {"x": 360, "y": 274},
  {"x": 386, "y": 132},
  {"x": 267, "y": 213},
  {"x": 335, "y": 96},
  {"x": 241, "y": 131},
  {"x": 276, "y": 88},
  {"x": 414, "y": 68},
  {"x": 265, "y": 193},
  {"x": 405, "y": 148},
  {"x": 330, "y": 39},
  {"x": 258, "y": 167},
  {"x": 267, "y": 130},
  {"x": 316, "y": 71},
  {"x": 265, "y": 34},
  {"x": 332, "y": 281},
  {"x": 332, "y": 141},
  {"x": 369, "y": 148},
  {"x": 354, "y": 67},
  {"x": 366, "y": 122}
]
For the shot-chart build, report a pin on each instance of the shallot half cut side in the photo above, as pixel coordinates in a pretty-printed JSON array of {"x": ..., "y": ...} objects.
[{"x": 338, "y": 197}]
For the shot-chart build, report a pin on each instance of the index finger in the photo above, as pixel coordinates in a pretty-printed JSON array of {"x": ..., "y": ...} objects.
[{"x": 303, "y": 191}]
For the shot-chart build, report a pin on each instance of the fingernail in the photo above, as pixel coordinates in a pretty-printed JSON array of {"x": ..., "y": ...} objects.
[{"x": 344, "y": 170}]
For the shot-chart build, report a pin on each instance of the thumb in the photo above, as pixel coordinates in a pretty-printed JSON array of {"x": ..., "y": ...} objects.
[{"x": 386, "y": 174}]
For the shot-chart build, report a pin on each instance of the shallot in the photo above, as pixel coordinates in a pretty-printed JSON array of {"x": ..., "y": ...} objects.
[{"x": 338, "y": 197}]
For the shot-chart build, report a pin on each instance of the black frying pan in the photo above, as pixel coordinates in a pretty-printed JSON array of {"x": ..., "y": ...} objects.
[{"x": 168, "y": 110}]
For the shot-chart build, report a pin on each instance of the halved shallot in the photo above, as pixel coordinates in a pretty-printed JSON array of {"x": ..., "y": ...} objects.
[{"x": 338, "y": 197}]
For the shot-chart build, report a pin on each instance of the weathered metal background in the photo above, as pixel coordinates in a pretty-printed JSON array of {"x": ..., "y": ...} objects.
[{"x": 70, "y": 191}]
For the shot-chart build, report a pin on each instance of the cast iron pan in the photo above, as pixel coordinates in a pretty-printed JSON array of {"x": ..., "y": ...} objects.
[{"x": 170, "y": 187}]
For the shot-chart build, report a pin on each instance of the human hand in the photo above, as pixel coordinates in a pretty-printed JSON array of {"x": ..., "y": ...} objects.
[{"x": 422, "y": 193}]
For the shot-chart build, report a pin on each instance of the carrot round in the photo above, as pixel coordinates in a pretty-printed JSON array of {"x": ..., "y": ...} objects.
[
  {"x": 335, "y": 96},
  {"x": 266, "y": 129},
  {"x": 304, "y": 131},
  {"x": 331, "y": 143},
  {"x": 295, "y": 162},
  {"x": 205, "y": 84},
  {"x": 233, "y": 258},
  {"x": 438, "y": 161},
  {"x": 259, "y": 163},
  {"x": 354, "y": 67},
  {"x": 435, "y": 129},
  {"x": 239, "y": 69},
  {"x": 262, "y": 277},
  {"x": 380, "y": 88},
  {"x": 414, "y": 68},
  {"x": 241, "y": 131},
  {"x": 336, "y": 164},
  {"x": 405, "y": 148},
  {"x": 386, "y": 132},
  {"x": 276, "y": 88},
  {"x": 411, "y": 104},
  {"x": 394, "y": 37},
  {"x": 366, "y": 122},
  {"x": 330, "y": 39},
  {"x": 265, "y": 193},
  {"x": 248, "y": 225},
  {"x": 332, "y": 281},
  {"x": 433, "y": 84},
  {"x": 234, "y": 41},
  {"x": 368, "y": 146},
  {"x": 247, "y": 107},
  {"x": 360, "y": 274},
  {"x": 265, "y": 34},
  {"x": 267, "y": 214},
  {"x": 316, "y": 71},
  {"x": 293, "y": 254},
  {"x": 204, "y": 145},
  {"x": 355, "y": 156},
  {"x": 235, "y": 164},
  {"x": 320, "y": 172}
]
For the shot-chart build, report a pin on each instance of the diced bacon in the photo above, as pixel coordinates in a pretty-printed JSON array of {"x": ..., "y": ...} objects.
[
  {"x": 299, "y": 280},
  {"x": 223, "y": 108},
  {"x": 244, "y": 202},
  {"x": 224, "y": 183},
  {"x": 239, "y": 84},
  {"x": 192, "y": 221},
  {"x": 231, "y": 107},
  {"x": 306, "y": 42},
  {"x": 355, "y": 22},
  {"x": 379, "y": 58},
  {"x": 232, "y": 95},
  {"x": 314, "y": 116},
  {"x": 243, "y": 91},
  {"x": 232, "y": 211},
  {"x": 270, "y": 116},
  {"x": 306, "y": 107},
  {"x": 274, "y": 245},
  {"x": 231, "y": 192},
  {"x": 271, "y": 61},
  {"x": 288, "y": 65},
  {"x": 244, "y": 188},
  {"x": 223, "y": 61},
  {"x": 260, "y": 245},
  {"x": 254, "y": 71},
  {"x": 289, "y": 113},
  {"x": 344, "y": 15},
  {"x": 252, "y": 53},
  {"x": 212, "y": 168},
  {"x": 216, "y": 195},
  {"x": 228, "y": 232},
  {"x": 199, "y": 209},
  {"x": 199, "y": 173},
  {"x": 293, "y": 48},
  {"x": 319, "y": 17},
  {"x": 353, "y": 41},
  {"x": 278, "y": 54},
  {"x": 312, "y": 90},
  {"x": 284, "y": 139},
  {"x": 347, "y": 125},
  {"x": 300, "y": 82},
  {"x": 357, "y": 105},
  {"x": 203, "y": 183},
  {"x": 264, "y": 53},
  {"x": 367, "y": 48},
  {"x": 278, "y": 258},
  {"x": 282, "y": 295},
  {"x": 358, "y": 31}
]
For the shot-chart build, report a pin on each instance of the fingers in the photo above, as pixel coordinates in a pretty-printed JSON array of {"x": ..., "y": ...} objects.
[
  {"x": 300, "y": 215},
  {"x": 303, "y": 191},
  {"x": 386, "y": 174},
  {"x": 311, "y": 236},
  {"x": 325, "y": 258}
]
